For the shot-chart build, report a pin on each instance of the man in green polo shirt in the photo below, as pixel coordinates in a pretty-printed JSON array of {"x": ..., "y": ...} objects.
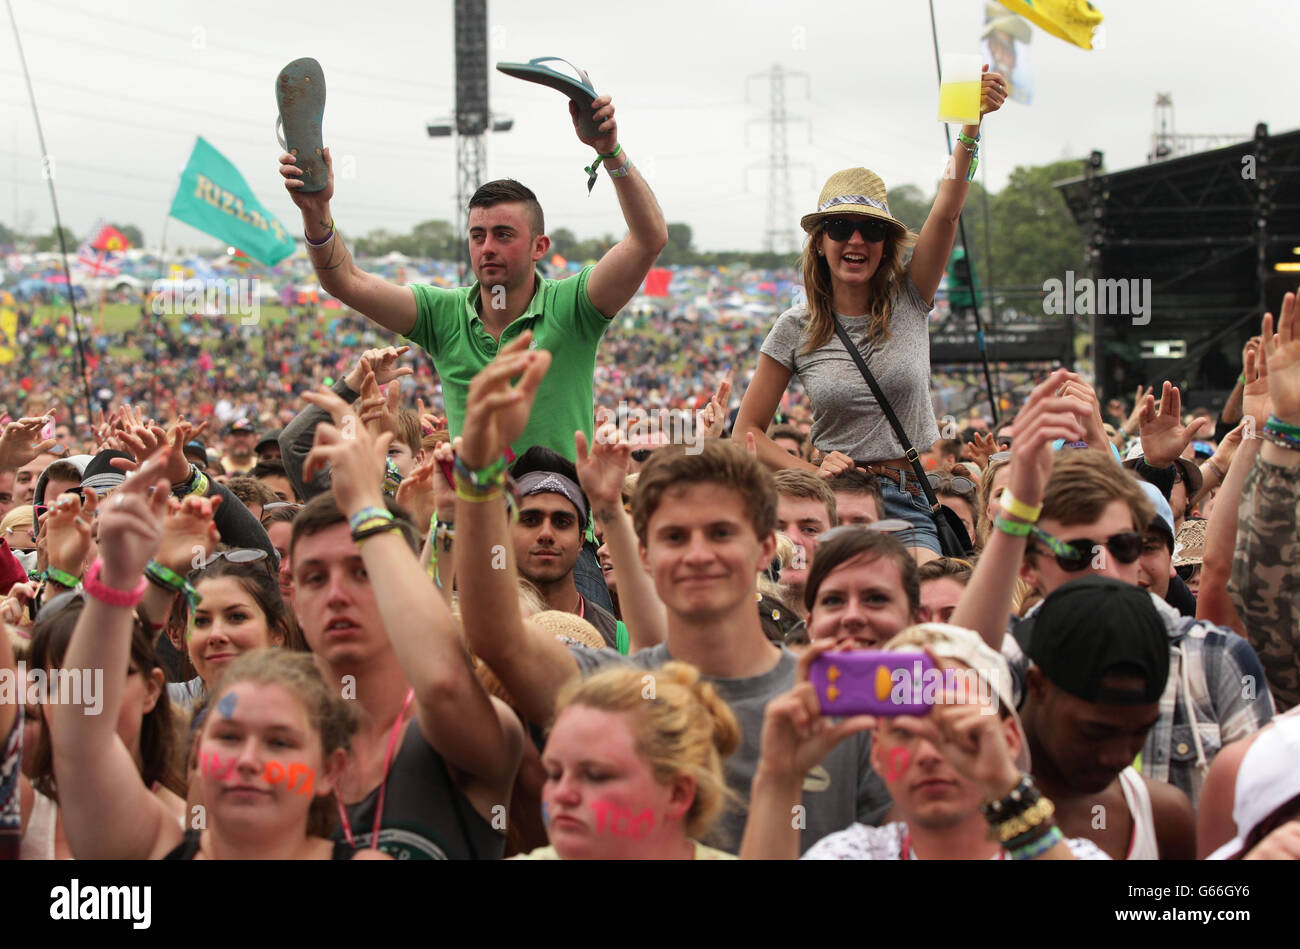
[{"x": 462, "y": 329}]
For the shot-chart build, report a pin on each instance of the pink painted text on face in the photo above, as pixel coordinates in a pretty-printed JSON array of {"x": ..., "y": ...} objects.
[
  {"x": 275, "y": 772},
  {"x": 621, "y": 821}
]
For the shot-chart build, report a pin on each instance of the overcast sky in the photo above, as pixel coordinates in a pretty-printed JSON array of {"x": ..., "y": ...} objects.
[{"x": 123, "y": 88}]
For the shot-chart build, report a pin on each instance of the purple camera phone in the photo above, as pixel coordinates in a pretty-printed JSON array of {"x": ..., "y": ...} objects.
[{"x": 870, "y": 682}]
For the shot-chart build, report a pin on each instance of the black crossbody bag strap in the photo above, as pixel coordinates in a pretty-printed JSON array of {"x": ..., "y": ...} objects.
[{"x": 897, "y": 426}]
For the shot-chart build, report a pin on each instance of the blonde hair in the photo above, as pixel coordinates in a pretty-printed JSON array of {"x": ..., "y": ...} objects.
[
  {"x": 328, "y": 714},
  {"x": 982, "y": 524},
  {"x": 685, "y": 728},
  {"x": 884, "y": 282}
]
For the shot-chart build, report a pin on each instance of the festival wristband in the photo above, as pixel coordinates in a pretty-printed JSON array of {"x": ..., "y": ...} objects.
[
  {"x": 620, "y": 172},
  {"x": 197, "y": 484},
  {"x": 366, "y": 533},
  {"x": 171, "y": 580},
  {"x": 1019, "y": 509},
  {"x": 392, "y": 477},
  {"x": 320, "y": 243},
  {"x": 466, "y": 493},
  {"x": 1014, "y": 528},
  {"x": 108, "y": 595},
  {"x": 489, "y": 478},
  {"x": 362, "y": 517},
  {"x": 61, "y": 578}
]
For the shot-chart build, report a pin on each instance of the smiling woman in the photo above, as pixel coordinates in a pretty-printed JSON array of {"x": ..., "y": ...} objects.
[{"x": 857, "y": 282}]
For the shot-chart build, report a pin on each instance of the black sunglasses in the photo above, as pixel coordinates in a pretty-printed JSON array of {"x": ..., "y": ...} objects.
[
  {"x": 641, "y": 454},
  {"x": 955, "y": 483},
  {"x": 841, "y": 229},
  {"x": 1076, "y": 555}
]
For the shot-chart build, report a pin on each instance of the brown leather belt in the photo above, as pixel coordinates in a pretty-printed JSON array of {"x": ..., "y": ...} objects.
[{"x": 900, "y": 477}]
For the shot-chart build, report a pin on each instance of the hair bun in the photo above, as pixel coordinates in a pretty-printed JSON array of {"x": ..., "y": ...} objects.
[{"x": 726, "y": 729}]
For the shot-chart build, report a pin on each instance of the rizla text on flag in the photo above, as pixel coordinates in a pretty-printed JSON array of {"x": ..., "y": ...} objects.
[{"x": 214, "y": 198}]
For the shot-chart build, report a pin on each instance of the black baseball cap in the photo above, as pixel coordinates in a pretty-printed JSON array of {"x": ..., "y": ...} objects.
[
  {"x": 197, "y": 452},
  {"x": 269, "y": 440},
  {"x": 240, "y": 426},
  {"x": 1093, "y": 626},
  {"x": 101, "y": 474}
]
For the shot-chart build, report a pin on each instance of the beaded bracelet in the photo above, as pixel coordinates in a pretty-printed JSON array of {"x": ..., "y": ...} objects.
[
  {"x": 1037, "y": 848},
  {"x": 361, "y": 517},
  {"x": 1282, "y": 441},
  {"x": 1037, "y": 813},
  {"x": 1018, "y": 799},
  {"x": 1276, "y": 425}
]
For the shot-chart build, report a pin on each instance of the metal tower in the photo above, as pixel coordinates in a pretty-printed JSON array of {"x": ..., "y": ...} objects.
[{"x": 779, "y": 235}]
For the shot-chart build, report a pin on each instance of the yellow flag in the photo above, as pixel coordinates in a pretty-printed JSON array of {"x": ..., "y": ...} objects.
[
  {"x": 1072, "y": 20},
  {"x": 8, "y": 327}
]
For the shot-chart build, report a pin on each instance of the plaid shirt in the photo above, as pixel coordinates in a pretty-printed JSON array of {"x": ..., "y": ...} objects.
[{"x": 1216, "y": 693}]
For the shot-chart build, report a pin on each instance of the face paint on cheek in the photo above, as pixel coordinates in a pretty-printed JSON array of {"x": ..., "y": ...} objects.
[
  {"x": 227, "y": 705},
  {"x": 623, "y": 823},
  {"x": 899, "y": 758}
]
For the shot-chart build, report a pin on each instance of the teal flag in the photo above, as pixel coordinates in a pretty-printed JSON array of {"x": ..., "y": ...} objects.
[{"x": 214, "y": 197}]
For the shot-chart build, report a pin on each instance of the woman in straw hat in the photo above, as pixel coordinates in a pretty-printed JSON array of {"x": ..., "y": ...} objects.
[{"x": 854, "y": 272}]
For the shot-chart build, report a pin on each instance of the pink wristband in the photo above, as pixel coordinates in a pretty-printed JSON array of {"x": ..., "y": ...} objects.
[{"x": 108, "y": 595}]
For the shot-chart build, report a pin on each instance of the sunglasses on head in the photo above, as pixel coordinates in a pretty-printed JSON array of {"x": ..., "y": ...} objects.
[
  {"x": 841, "y": 229},
  {"x": 237, "y": 555},
  {"x": 957, "y": 484},
  {"x": 1076, "y": 555}
]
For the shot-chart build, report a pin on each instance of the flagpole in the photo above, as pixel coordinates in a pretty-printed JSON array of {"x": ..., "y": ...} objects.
[
  {"x": 58, "y": 222},
  {"x": 961, "y": 233}
]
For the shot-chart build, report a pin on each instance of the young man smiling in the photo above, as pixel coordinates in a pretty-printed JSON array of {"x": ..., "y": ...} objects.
[
  {"x": 705, "y": 523},
  {"x": 463, "y": 329}
]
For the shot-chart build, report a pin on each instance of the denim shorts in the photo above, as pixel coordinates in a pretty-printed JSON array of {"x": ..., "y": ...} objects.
[{"x": 914, "y": 510}]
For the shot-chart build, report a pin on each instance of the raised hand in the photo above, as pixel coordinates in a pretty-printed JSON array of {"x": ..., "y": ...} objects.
[
  {"x": 970, "y": 737},
  {"x": 21, "y": 442},
  {"x": 382, "y": 362},
  {"x": 416, "y": 493},
  {"x": 131, "y": 524},
  {"x": 1076, "y": 388},
  {"x": 379, "y": 411},
  {"x": 496, "y": 412},
  {"x": 978, "y": 450},
  {"x": 1045, "y": 418},
  {"x": 68, "y": 531},
  {"x": 993, "y": 91},
  {"x": 1139, "y": 400},
  {"x": 1282, "y": 352},
  {"x": 602, "y": 108},
  {"x": 1163, "y": 434},
  {"x": 189, "y": 533},
  {"x": 313, "y": 202},
  {"x": 603, "y": 470},
  {"x": 715, "y": 413},
  {"x": 355, "y": 455},
  {"x": 1255, "y": 402},
  {"x": 13, "y": 609}
]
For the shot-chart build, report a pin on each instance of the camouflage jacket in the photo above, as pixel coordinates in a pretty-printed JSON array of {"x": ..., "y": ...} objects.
[{"x": 1265, "y": 581}]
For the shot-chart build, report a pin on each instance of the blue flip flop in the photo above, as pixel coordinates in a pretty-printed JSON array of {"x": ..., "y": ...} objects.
[
  {"x": 580, "y": 91},
  {"x": 300, "y": 94}
]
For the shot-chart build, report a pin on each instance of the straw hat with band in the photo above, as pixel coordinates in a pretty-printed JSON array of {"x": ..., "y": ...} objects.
[{"x": 853, "y": 191}]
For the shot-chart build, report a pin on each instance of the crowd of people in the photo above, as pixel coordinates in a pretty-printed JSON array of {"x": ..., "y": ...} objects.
[{"x": 346, "y": 602}]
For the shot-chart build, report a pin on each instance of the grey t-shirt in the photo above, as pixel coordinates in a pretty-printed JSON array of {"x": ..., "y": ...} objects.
[
  {"x": 840, "y": 791},
  {"x": 845, "y": 414}
]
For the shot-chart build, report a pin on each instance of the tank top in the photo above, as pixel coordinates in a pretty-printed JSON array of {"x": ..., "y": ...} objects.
[
  {"x": 188, "y": 848},
  {"x": 426, "y": 817},
  {"x": 1143, "y": 845}
]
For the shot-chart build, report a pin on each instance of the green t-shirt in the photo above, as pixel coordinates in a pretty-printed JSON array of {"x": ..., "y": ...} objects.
[{"x": 563, "y": 320}]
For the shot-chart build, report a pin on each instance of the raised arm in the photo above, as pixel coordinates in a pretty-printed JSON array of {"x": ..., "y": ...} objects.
[
  {"x": 757, "y": 408},
  {"x": 457, "y": 717},
  {"x": 623, "y": 269},
  {"x": 602, "y": 473},
  {"x": 1268, "y": 537},
  {"x": 387, "y": 304},
  {"x": 985, "y": 606},
  {"x": 530, "y": 662},
  {"x": 108, "y": 813},
  {"x": 934, "y": 246}
]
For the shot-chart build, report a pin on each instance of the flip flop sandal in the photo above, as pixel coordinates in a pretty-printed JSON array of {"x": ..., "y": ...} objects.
[
  {"x": 580, "y": 90},
  {"x": 300, "y": 94}
]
